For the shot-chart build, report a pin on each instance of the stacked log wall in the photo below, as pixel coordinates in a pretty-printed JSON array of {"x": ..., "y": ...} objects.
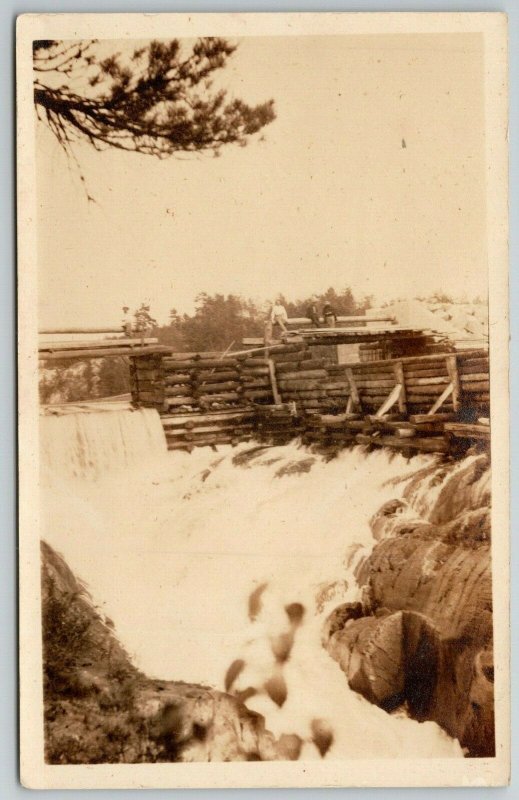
[{"x": 294, "y": 376}]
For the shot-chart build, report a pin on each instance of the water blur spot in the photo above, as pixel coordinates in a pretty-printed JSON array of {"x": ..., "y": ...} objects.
[
  {"x": 232, "y": 673},
  {"x": 255, "y": 604},
  {"x": 276, "y": 688},
  {"x": 296, "y": 467},
  {"x": 322, "y": 735},
  {"x": 295, "y": 612}
]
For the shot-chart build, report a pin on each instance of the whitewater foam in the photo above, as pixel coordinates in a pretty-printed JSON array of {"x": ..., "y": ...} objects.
[{"x": 172, "y": 545}]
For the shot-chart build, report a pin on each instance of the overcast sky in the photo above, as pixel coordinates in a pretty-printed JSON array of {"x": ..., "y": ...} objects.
[{"x": 372, "y": 176}]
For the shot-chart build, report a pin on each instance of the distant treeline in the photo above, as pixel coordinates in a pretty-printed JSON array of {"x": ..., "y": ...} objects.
[{"x": 218, "y": 323}]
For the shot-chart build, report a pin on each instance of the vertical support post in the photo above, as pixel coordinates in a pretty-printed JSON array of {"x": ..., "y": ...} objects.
[
  {"x": 452, "y": 369},
  {"x": 354, "y": 392},
  {"x": 398, "y": 370},
  {"x": 273, "y": 382}
]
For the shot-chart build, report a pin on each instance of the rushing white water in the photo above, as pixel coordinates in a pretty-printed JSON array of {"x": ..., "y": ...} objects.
[{"x": 172, "y": 545}]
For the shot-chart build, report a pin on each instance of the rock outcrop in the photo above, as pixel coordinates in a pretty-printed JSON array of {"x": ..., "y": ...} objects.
[
  {"x": 422, "y": 635},
  {"x": 100, "y": 709}
]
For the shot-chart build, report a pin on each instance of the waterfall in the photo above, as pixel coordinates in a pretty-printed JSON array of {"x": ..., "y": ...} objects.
[
  {"x": 89, "y": 441},
  {"x": 173, "y": 549}
]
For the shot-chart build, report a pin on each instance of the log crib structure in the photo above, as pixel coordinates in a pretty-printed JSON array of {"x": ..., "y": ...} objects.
[{"x": 436, "y": 403}]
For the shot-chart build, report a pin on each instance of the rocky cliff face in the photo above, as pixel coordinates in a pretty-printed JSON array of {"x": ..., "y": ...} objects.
[
  {"x": 100, "y": 709},
  {"x": 422, "y": 633}
]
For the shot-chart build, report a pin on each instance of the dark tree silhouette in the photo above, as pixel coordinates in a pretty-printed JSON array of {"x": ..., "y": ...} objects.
[{"x": 157, "y": 101}]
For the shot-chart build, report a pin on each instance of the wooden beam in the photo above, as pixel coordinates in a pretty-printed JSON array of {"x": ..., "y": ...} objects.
[
  {"x": 398, "y": 370},
  {"x": 390, "y": 401},
  {"x": 452, "y": 369},
  {"x": 354, "y": 393},
  {"x": 273, "y": 382},
  {"x": 113, "y": 351},
  {"x": 357, "y": 318},
  {"x": 101, "y": 344},
  {"x": 105, "y": 329},
  {"x": 441, "y": 399}
]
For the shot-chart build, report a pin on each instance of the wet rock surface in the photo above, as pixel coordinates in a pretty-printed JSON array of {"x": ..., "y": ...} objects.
[
  {"x": 423, "y": 633},
  {"x": 100, "y": 709}
]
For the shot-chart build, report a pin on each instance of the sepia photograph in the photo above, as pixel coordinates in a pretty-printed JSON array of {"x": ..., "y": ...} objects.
[{"x": 263, "y": 365}]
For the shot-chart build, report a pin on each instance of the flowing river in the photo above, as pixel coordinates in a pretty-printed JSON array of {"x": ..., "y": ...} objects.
[{"x": 172, "y": 546}]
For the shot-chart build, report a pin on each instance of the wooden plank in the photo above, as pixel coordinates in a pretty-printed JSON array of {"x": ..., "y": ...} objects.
[
  {"x": 429, "y": 381},
  {"x": 356, "y": 318},
  {"x": 468, "y": 430},
  {"x": 354, "y": 394},
  {"x": 398, "y": 369},
  {"x": 390, "y": 401},
  {"x": 476, "y": 386},
  {"x": 273, "y": 382},
  {"x": 419, "y": 418},
  {"x": 202, "y": 418},
  {"x": 433, "y": 444},
  {"x": 105, "y": 329},
  {"x": 94, "y": 344},
  {"x": 96, "y": 353},
  {"x": 452, "y": 369},
  {"x": 441, "y": 399}
]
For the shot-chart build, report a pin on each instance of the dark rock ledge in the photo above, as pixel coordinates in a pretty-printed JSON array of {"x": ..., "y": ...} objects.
[
  {"x": 422, "y": 634},
  {"x": 98, "y": 708}
]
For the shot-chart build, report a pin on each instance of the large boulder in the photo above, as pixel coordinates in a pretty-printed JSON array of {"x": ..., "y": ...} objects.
[{"x": 424, "y": 634}]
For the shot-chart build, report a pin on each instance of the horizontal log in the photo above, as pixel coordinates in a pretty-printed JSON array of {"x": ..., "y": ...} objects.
[
  {"x": 177, "y": 378},
  {"x": 254, "y": 362},
  {"x": 475, "y": 386},
  {"x": 254, "y": 371},
  {"x": 213, "y": 354},
  {"x": 314, "y": 394},
  {"x": 257, "y": 394},
  {"x": 428, "y": 390},
  {"x": 429, "y": 381},
  {"x": 215, "y": 376},
  {"x": 475, "y": 377},
  {"x": 97, "y": 353},
  {"x": 312, "y": 363},
  {"x": 218, "y": 397},
  {"x": 336, "y": 385},
  {"x": 185, "y": 367},
  {"x": 256, "y": 383},
  {"x": 217, "y": 388},
  {"x": 287, "y": 358},
  {"x": 434, "y": 444},
  {"x": 200, "y": 418},
  {"x": 296, "y": 347},
  {"x": 305, "y": 374},
  {"x": 202, "y": 363},
  {"x": 375, "y": 384},
  {"x": 440, "y": 372},
  {"x": 468, "y": 430},
  {"x": 227, "y": 429},
  {"x": 295, "y": 386},
  {"x": 426, "y": 400},
  {"x": 282, "y": 369},
  {"x": 440, "y": 417},
  {"x": 178, "y": 391},
  {"x": 180, "y": 401}
]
